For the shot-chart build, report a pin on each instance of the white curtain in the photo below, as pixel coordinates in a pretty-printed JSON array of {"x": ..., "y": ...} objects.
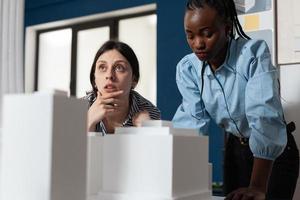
[{"x": 11, "y": 48}]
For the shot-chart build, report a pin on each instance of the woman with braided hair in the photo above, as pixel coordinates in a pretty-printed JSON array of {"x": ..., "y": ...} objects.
[{"x": 229, "y": 78}]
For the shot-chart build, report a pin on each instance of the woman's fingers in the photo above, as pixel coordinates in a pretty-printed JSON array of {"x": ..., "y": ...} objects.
[
  {"x": 109, "y": 95},
  {"x": 112, "y": 101},
  {"x": 109, "y": 98},
  {"x": 108, "y": 106}
]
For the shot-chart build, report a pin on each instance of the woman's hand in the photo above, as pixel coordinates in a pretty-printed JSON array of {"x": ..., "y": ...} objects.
[
  {"x": 258, "y": 184},
  {"x": 246, "y": 194},
  {"x": 138, "y": 118},
  {"x": 103, "y": 105}
]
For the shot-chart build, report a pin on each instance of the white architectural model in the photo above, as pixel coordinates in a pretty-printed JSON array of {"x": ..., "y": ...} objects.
[
  {"x": 44, "y": 154},
  {"x": 43, "y": 150},
  {"x": 154, "y": 162}
]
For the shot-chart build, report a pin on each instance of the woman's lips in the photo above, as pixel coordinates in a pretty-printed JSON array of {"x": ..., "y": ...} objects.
[
  {"x": 110, "y": 88},
  {"x": 201, "y": 55}
]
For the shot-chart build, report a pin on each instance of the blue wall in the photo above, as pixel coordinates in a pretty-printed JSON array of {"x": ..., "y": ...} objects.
[{"x": 171, "y": 46}]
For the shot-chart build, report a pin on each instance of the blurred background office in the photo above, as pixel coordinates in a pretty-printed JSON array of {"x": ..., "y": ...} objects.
[{"x": 48, "y": 44}]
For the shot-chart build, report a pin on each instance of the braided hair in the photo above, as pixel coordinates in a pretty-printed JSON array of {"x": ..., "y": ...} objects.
[{"x": 226, "y": 9}]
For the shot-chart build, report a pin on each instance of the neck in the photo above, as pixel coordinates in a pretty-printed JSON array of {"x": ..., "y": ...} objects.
[{"x": 216, "y": 62}]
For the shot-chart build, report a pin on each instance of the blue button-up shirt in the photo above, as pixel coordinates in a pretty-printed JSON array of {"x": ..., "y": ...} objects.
[{"x": 241, "y": 96}]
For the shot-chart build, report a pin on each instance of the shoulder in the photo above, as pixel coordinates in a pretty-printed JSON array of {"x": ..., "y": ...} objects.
[
  {"x": 188, "y": 62},
  {"x": 251, "y": 56},
  {"x": 144, "y": 104},
  {"x": 141, "y": 101},
  {"x": 90, "y": 97},
  {"x": 252, "y": 48},
  {"x": 188, "y": 68},
  {"x": 187, "y": 59}
]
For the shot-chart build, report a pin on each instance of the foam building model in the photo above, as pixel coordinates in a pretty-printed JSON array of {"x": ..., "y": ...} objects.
[
  {"x": 46, "y": 155},
  {"x": 43, "y": 150},
  {"x": 152, "y": 162}
]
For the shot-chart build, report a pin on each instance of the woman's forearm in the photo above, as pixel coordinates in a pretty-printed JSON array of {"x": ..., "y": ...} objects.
[
  {"x": 261, "y": 171},
  {"x": 91, "y": 127}
]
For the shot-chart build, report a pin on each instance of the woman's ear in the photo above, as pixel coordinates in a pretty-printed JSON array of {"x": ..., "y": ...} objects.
[
  {"x": 134, "y": 82},
  {"x": 228, "y": 29}
]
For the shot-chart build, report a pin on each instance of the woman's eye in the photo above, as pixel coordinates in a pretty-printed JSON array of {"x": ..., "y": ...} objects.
[
  {"x": 189, "y": 36},
  {"x": 208, "y": 34},
  {"x": 120, "y": 68},
  {"x": 101, "y": 68}
]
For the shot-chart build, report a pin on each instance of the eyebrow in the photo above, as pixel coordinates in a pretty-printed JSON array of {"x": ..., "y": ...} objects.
[
  {"x": 121, "y": 61},
  {"x": 117, "y": 61},
  {"x": 200, "y": 29}
]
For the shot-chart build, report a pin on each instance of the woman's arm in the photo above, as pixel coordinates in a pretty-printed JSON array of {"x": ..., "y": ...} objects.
[
  {"x": 265, "y": 117},
  {"x": 191, "y": 112},
  {"x": 260, "y": 174},
  {"x": 138, "y": 118},
  {"x": 263, "y": 105},
  {"x": 258, "y": 184}
]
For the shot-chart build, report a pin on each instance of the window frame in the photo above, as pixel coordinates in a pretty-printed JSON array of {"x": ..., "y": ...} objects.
[{"x": 112, "y": 23}]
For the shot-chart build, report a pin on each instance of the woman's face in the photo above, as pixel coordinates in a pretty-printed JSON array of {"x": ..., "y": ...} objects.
[
  {"x": 113, "y": 72},
  {"x": 206, "y": 32}
]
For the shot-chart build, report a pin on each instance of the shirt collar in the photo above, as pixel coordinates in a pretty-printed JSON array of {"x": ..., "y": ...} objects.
[{"x": 228, "y": 63}]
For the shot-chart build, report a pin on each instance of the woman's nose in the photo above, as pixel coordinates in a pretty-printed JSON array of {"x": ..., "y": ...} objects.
[
  {"x": 199, "y": 43},
  {"x": 110, "y": 76}
]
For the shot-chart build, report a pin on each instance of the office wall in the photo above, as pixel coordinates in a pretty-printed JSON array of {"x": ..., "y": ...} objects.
[
  {"x": 288, "y": 18},
  {"x": 290, "y": 93}
]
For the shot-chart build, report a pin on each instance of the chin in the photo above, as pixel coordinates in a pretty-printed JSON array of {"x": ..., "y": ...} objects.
[{"x": 202, "y": 59}]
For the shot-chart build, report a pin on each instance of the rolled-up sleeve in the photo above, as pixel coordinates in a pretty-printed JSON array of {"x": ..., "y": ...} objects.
[
  {"x": 263, "y": 107},
  {"x": 191, "y": 113}
]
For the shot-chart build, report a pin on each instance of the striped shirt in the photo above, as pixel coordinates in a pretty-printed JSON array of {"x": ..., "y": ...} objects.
[{"x": 137, "y": 104}]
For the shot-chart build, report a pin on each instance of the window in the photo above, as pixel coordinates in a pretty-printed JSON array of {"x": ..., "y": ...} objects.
[
  {"x": 54, "y": 59},
  {"x": 140, "y": 34},
  {"x": 87, "y": 47},
  {"x": 65, "y": 54}
]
